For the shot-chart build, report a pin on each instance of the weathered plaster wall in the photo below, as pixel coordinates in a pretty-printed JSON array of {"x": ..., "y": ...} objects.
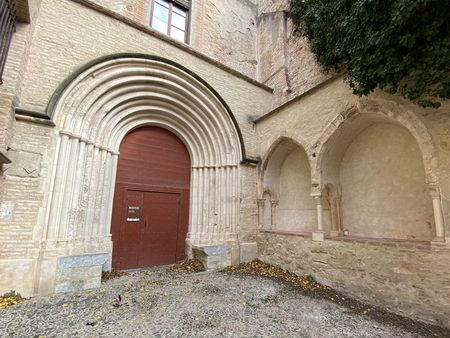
[
  {"x": 136, "y": 10},
  {"x": 226, "y": 31},
  {"x": 285, "y": 61},
  {"x": 391, "y": 158}
]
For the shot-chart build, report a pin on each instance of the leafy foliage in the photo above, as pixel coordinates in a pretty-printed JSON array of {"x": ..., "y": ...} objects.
[{"x": 402, "y": 46}]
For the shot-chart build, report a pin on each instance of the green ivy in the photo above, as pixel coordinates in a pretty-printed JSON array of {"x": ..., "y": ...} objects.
[{"x": 401, "y": 46}]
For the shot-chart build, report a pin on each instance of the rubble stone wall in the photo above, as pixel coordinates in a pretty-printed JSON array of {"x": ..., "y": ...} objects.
[{"x": 410, "y": 281}]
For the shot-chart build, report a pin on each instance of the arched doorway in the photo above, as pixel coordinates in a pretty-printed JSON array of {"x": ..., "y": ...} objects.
[
  {"x": 103, "y": 103},
  {"x": 151, "y": 199}
]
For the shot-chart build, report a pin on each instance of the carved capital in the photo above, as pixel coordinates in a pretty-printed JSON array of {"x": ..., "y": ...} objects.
[
  {"x": 318, "y": 199},
  {"x": 434, "y": 192}
]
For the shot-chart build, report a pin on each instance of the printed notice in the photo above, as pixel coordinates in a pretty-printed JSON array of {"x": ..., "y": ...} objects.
[{"x": 6, "y": 210}]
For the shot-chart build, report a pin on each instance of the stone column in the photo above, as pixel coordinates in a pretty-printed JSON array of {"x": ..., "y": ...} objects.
[
  {"x": 318, "y": 235},
  {"x": 110, "y": 194},
  {"x": 55, "y": 208},
  {"x": 215, "y": 203},
  {"x": 106, "y": 193},
  {"x": 260, "y": 202},
  {"x": 63, "y": 227},
  {"x": 273, "y": 213},
  {"x": 74, "y": 231},
  {"x": 99, "y": 192},
  {"x": 438, "y": 215}
]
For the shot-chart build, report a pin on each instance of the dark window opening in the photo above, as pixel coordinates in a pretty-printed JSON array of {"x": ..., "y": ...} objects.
[
  {"x": 171, "y": 17},
  {"x": 7, "y": 28}
]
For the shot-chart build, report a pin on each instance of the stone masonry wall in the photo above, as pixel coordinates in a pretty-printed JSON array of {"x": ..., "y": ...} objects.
[
  {"x": 222, "y": 29},
  {"x": 411, "y": 281},
  {"x": 20, "y": 185},
  {"x": 226, "y": 31},
  {"x": 285, "y": 61},
  {"x": 136, "y": 10},
  {"x": 253, "y": 37},
  {"x": 13, "y": 74},
  {"x": 60, "y": 46}
]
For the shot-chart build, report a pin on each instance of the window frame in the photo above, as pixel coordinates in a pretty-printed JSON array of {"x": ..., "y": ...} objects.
[
  {"x": 7, "y": 28},
  {"x": 171, "y": 3}
]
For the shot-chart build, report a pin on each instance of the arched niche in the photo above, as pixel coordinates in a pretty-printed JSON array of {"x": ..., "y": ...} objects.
[
  {"x": 373, "y": 166},
  {"x": 287, "y": 173}
]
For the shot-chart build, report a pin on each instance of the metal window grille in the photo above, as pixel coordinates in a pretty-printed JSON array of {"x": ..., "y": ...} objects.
[{"x": 7, "y": 28}]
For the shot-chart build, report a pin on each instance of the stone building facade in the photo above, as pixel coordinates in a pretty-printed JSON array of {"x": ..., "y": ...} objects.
[{"x": 286, "y": 163}]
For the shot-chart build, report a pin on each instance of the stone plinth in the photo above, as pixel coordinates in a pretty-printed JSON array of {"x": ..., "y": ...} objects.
[
  {"x": 76, "y": 273},
  {"x": 213, "y": 256}
]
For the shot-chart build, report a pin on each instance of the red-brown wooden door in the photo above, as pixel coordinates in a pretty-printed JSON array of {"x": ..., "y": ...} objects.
[{"x": 151, "y": 200}]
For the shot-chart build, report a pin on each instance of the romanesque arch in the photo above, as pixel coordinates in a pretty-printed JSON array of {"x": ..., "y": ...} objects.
[
  {"x": 98, "y": 106},
  {"x": 380, "y": 131},
  {"x": 286, "y": 174}
]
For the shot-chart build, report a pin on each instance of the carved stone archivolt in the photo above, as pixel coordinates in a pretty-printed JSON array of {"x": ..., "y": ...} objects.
[{"x": 105, "y": 102}]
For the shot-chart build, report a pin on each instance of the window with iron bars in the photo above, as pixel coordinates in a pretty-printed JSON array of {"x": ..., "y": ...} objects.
[{"x": 7, "y": 28}]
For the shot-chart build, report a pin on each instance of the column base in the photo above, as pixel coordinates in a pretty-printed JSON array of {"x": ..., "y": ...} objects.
[
  {"x": 318, "y": 236},
  {"x": 335, "y": 233},
  {"x": 438, "y": 241}
]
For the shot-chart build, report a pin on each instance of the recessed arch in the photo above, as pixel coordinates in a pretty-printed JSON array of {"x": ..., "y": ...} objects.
[
  {"x": 108, "y": 98},
  {"x": 286, "y": 173},
  {"x": 356, "y": 119},
  {"x": 397, "y": 141}
]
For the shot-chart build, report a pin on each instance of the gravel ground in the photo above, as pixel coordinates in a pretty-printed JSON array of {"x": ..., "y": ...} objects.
[{"x": 206, "y": 304}]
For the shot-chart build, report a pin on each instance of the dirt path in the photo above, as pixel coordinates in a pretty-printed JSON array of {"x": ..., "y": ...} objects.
[{"x": 207, "y": 304}]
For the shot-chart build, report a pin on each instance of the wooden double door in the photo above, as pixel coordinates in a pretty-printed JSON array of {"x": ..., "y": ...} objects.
[{"x": 151, "y": 200}]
